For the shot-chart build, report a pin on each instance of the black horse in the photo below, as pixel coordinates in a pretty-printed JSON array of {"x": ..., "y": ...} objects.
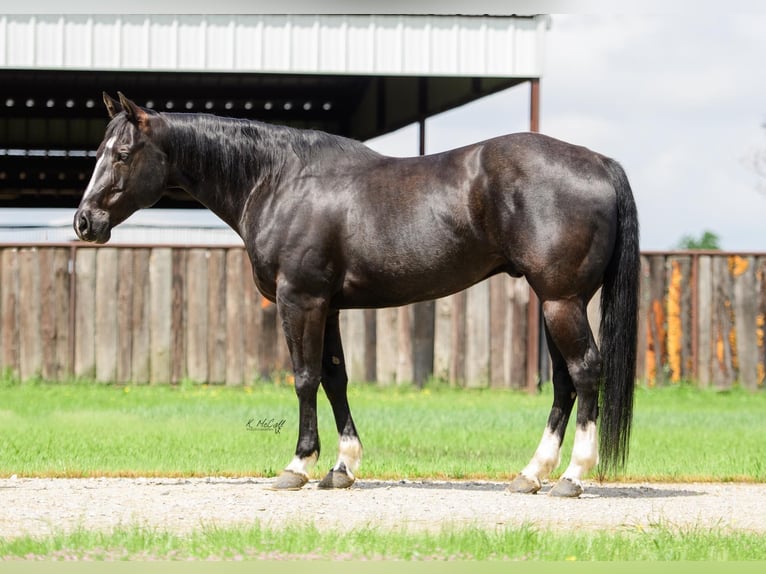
[{"x": 329, "y": 224}]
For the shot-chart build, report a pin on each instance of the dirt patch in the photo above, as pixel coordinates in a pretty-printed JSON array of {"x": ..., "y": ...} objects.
[{"x": 42, "y": 506}]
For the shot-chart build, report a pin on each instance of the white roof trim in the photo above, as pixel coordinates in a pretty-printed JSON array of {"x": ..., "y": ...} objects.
[{"x": 294, "y": 44}]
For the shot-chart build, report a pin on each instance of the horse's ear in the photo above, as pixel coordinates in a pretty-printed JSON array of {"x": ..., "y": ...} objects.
[
  {"x": 135, "y": 114},
  {"x": 112, "y": 106}
]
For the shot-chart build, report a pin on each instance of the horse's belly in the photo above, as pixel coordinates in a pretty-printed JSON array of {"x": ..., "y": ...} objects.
[{"x": 392, "y": 286}]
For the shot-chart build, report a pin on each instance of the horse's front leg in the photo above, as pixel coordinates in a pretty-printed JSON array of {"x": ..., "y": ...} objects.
[
  {"x": 303, "y": 320},
  {"x": 335, "y": 383}
]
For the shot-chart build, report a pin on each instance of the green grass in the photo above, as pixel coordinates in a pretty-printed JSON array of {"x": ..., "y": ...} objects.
[
  {"x": 307, "y": 542},
  {"x": 679, "y": 433},
  {"x": 80, "y": 429}
]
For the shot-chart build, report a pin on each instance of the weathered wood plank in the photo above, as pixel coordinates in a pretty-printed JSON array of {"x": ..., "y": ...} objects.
[
  {"x": 404, "y": 367},
  {"x": 722, "y": 370},
  {"x": 423, "y": 316},
  {"x": 235, "y": 341},
  {"x": 160, "y": 298},
  {"x": 704, "y": 324},
  {"x": 216, "y": 324},
  {"x": 517, "y": 333},
  {"x": 678, "y": 313},
  {"x": 457, "y": 370},
  {"x": 62, "y": 302},
  {"x": 140, "y": 353},
  {"x": 354, "y": 343},
  {"x": 443, "y": 338},
  {"x": 85, "y": 320},
  {"x": 656, "y": 353},
  {"x": 387, "y": 345},
  {"x": 745, "y": 309},
  {"x": 498, "y": 344},
  {"x": 197, "y": 315},
  {"x": 267, "y": 339},
  {"x": 178, "y": 314},
  {"x": 124, "y": 324},
  {"x": 9, "y": 307},
  {"x": 106, "y": 314},
  {"x": 30, "y": 349},
  {"x": 477, "y": 335},
  {"x": 48, "y": 313},
  {"x": 688, "y": 368},
  {"x": 370, "y": 336}
]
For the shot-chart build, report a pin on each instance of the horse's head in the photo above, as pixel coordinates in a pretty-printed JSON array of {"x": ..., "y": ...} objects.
[{"x": 130, "y": 174}]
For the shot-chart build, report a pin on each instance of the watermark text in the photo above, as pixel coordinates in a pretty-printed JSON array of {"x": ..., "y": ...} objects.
[{"x": 265, "y": 424}]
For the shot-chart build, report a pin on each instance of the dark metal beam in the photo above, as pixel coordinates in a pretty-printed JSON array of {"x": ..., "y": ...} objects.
[{"x": 534, "y": 371}]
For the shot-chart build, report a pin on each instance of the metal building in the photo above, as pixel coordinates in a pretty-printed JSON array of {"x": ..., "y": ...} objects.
[{"x": 356, "y": 75}]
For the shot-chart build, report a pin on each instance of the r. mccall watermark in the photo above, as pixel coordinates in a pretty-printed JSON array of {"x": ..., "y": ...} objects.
[{"x": 271, "y": 424}]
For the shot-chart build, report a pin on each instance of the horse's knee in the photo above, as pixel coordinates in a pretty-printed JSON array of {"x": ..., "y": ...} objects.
[{"x": 306, "y": 385}]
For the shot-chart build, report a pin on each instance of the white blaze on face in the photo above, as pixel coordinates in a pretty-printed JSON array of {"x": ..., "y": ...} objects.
[
  {"x": 99, "y": 169},
  {"x": 584, "y": 453},
  {"x": 546, "y": 457}
]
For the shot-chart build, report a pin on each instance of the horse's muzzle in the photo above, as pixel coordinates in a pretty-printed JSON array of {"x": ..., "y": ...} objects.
[{"x": 89, "y": 227}]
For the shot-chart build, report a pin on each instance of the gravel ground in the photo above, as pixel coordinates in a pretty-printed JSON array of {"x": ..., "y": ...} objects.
[{"x": 42, "y": 506}]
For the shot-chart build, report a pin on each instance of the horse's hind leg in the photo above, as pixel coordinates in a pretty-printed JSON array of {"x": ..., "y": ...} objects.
[
  {"x": 548, "y": 453},
  {"x": 335, "y": 382},
  {"x": 569, "y": 332}
]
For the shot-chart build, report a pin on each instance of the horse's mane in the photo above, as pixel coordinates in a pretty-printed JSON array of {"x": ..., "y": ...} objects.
[{"x": 243, "y": 151}]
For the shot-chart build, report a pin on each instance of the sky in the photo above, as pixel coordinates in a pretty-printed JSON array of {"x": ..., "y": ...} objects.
[{"x": 679, "y": 99}]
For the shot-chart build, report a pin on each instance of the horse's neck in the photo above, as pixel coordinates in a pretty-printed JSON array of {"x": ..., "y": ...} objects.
[{"x": 216, "y": 172}]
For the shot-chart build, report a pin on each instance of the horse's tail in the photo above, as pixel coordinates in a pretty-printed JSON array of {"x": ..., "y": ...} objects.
[{"x": 618, "y": 330}]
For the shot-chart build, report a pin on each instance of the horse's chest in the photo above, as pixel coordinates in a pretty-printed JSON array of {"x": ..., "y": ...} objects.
[{"x": 265, "y": 278}]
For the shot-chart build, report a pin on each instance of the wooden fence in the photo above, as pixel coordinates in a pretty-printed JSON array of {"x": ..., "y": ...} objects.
[
  {"x": 702, "y": 318},
  {"x": 166, "y": 314}
]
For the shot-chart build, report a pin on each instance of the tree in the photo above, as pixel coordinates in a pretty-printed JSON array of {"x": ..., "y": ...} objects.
[{"x": 708, "y": 240}]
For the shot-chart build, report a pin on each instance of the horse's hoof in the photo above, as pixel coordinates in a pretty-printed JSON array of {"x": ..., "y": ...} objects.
[
  {"x": 524, "y": 485},
  {"x": 289, "y": 480},
  {"x": 336, "y": 479},
  {"x": 566, "y": 488}
]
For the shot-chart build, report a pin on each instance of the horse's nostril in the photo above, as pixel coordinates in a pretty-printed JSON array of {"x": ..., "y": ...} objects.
[{"x": 83, "y": 223}]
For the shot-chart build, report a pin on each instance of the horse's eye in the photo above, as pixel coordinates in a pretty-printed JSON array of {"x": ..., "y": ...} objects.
[{"x": 123, "y": 156}]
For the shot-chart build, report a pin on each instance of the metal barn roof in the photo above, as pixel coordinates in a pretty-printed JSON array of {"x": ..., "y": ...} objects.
[
  {"x": 355, "y": 75},
  {"x": 286, "y": 44}
]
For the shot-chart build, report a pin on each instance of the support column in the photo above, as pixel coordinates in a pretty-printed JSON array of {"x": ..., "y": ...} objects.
[
  {"x": 424, "y": 313},
  {"x": 533, "y": 307}
]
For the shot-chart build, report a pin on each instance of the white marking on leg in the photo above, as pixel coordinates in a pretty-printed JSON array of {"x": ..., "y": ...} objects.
[
  {"x": 584, "y": 453},
  {"x": 546, "y": 457},
  {"x": 349, "y": 454},
  {"x": 302, "y": 465},
  {"x": 99, "y": 165}
]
